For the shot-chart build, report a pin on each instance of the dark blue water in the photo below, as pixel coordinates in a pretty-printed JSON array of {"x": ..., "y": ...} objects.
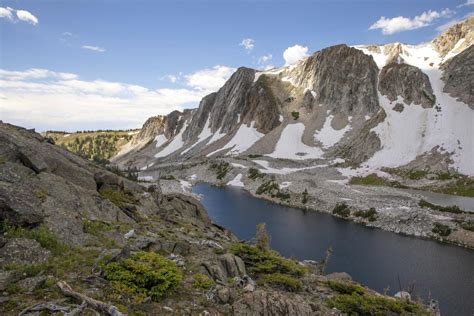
[{"x": 372, "y": 257}]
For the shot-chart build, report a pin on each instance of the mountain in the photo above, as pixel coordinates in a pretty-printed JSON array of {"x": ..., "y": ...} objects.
[{"x": 369, "y": 106}]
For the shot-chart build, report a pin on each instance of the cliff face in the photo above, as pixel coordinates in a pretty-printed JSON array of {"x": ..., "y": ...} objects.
[
  {"x": 328, "y": 106},
  {"x": 458, "y": 76}
]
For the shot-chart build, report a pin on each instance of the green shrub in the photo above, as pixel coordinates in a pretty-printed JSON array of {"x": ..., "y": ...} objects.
[
  {"x": 27, "y": 270},
  {"x": 266, "y": 262},
  {"x": 168, "y": 177},
  {"x": 449, "y": 209},
  {"x": 282, "y": 281},
  {"x": 262, "y": 238},
  {"x": 119, "y": 198},
  {"x": 255, "y": 174},
  {"x": 2, "y": 160},
  {"x": 469, "y": 225},
  {"x": 202, "y": 281},
  {"x": 441, "y": 229},
  {"x": 295, "y": 115},
  {"x": 251, "y": 156},
  {"x": 144, "y": 274},
  {"x": 356, "y": 304},
  {"x": 346, "y": 287},
  {"x": 221, "y": 168},
  {"x": 370, "y": 214},
  {"x": 417, "y": 174},
  {"x": 305, "y": 196},
  {"x": 267, "y": 188},
  {"x": 341, "y": 209}
]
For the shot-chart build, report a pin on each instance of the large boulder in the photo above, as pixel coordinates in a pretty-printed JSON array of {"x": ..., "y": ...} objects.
[{"x": 23, "y": 251}]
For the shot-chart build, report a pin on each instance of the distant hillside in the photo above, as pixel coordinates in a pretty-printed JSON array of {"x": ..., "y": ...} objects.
[{"x": 98, "y": 146}]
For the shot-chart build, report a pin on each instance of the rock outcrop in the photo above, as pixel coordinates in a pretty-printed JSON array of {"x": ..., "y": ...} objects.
[
  {"x": 406, "y": 81},
  {"x": 342, "y": 77},
  {"x": 458, "y": 76},
  {"x": 450, "y": 39}
]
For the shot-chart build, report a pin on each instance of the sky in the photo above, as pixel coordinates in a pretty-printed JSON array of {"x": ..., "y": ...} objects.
[{"x": 110, "y": 64}]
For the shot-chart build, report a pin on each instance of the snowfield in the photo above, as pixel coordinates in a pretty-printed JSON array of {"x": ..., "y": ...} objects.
[
  {"x": 175, "y": 144},
  {"x": 245, "y": 137},
  {"x": 328, "y": 136}
]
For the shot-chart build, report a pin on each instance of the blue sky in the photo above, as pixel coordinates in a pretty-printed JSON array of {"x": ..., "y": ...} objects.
[{"x": 158, "y": 46}]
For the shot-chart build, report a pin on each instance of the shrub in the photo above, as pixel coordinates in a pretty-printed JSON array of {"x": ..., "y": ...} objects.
[
  {"x": 262, "y": 237},
  {"x": 469, "y": 225},
  {"x": 2, "y": 160},
  {"x": 341, "y": 209},
  {"x": 370, "y": 214},
  {"x": 266, "y": 262},
  {"x": 168, "y": 177},
  {"x": 95, "y": 227},
  {"x": 295, "y": 115},
  {"x": 357, "y": 304},
  {"x": 144, "y": 274},
  {"x": 202, "y": 281},
  {"x": 119, "y": 198},
  {"x": 255, "y": 174},
  {"x": 221, "y": 169},
  {"x": 267, "y": 187},
  {"x": 346, "y": 287},
  {"x": 251, "y": 156},
  {"x": 373, "y": 179},
  {"x": 417, "y": 174},
  {"x": 441, "y": 229},
  {"x": 305, "y": 196},
  {"x": 282, "y": 281},
  {"x": 449, "y": 209}
]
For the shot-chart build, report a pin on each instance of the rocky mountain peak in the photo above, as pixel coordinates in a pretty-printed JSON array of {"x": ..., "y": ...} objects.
[{"x": 457, "y": 38}]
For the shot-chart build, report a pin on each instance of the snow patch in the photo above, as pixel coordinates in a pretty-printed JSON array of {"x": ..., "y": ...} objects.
[
  {"x": 328, "y": 136},
  {"x": 185, "y": 185},
  {"x": 290, "y": 146},
  {"x": 245, "y": 137},
  {"x": 236, "y": 182},
  {"x": 238, "y": 165},
  {"x": 267, "y": 169},
  {"x": 285, "y": 184},
  {"x": 175, "y": 144}
]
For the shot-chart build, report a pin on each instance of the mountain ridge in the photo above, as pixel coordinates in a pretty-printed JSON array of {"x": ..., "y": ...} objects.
[{"x": 325, "y": 104}]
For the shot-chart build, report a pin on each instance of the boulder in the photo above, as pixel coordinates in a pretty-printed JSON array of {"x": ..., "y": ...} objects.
[{"x": 23, "y": 251}]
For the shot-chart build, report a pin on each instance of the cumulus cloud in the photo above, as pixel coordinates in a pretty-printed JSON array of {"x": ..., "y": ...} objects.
[
  {"x": 248, "y": 44},
  {"x": 21, "y": 15},
  {"x": 209, "y": 79},
  {"x": 26, "y": 16},
  {"x": 265, "y": 59},
  {"x": 6, "y": 13},
  {"x": 294, "y": 53},
  {"x": 94, "y": 48},
  {"x": 45, "y": 99},
  {"x": 401, "y": 23}
]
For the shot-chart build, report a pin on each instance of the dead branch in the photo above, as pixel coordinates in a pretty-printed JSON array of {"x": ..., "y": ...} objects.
[
  {"x": 51, "y": 307},
  {"x": 95, "y": 304}
]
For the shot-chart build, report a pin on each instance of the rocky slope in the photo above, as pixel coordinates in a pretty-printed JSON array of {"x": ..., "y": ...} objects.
[
  {"x": 357, "y": 103},
  {"x": 79, "y": 239}
]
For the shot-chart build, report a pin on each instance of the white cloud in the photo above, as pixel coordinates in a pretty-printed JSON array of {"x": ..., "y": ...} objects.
[
  {"x": 469, "y": 2},
  {"x": 401, "y": 23},
  {"x": 26, "y": 16},
  {"x": 22, "y": 15},
  {"x": 6, "y": 13},
  {"x": 248, "y": 44},
  {"x": 209, "y": 79},
  {"x": 294, "y": 53},
  {"x": 67, "y": 33},
  {"x": 45, "y": 99},
  {"x": 265, "y": 59},
  {"x": 94, "y": 48}
]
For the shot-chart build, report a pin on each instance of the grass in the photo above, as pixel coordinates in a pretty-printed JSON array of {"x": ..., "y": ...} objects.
[
  {"x": 352, "y": 299},
  {"x": 202, "y": 281},
  {"x": 370, "y": 214},
  {"x": 41, "y": 194},
  {"x": 144, "y": 274},
  {"x": 373, "y": 179},
  {"x": 281, "y": 281},
  {"x": 168, "y": 177},
  {"x": 463, "y": 187},
  {"x": 341, "y": 209},
  {"x": 447, "y": 209},
  {"x": 467, "y": 225},
  {"x": 119, "y": 198},
  {"x": 260, "y": 262},
  {"x": 42, "y": 235},
  {"x": 441, "y": 229}
]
